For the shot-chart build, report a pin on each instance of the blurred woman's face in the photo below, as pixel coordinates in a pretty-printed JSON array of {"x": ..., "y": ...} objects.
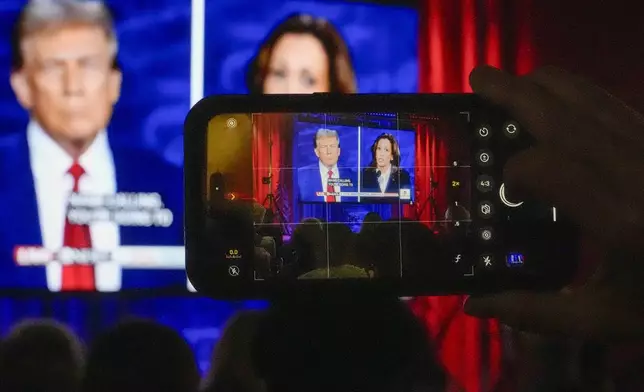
[
  {"x": 384, "y": 156},
  {"x": 298, "y": 65}
]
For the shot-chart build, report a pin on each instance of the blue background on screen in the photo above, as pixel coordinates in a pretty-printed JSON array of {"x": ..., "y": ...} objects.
[{"x": 382, "y": 41}]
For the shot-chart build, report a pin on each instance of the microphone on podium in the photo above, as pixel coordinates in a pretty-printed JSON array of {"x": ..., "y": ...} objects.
[{"x": 378, "y": 173}]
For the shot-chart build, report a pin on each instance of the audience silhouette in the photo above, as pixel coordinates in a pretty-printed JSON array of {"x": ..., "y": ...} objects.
[
  {"x": 41, "y": 356},
  {"x": 232, "y": 367},
  {"x": 344, "y": 345},
  {"x": 140, "y": 356}
]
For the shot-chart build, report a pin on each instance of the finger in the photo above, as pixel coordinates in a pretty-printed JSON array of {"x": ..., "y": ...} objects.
[
  {"x": 580, "y": 314},
  {"x": 570, "y": 186},
  {"x": 615, "y": 115},
  {"x": 520, "y": 97},
  {"x": 531, "y": 104},
  {"x": 547, "y": 117}
]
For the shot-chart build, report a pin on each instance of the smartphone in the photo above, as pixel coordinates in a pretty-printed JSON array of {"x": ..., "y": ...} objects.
[{"x": 401, "y": 194}]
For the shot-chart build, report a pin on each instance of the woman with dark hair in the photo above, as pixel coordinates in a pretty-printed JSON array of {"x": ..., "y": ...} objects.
[
  {"x": 384, "y": 175},
  {"x": 302, "y": 55}
]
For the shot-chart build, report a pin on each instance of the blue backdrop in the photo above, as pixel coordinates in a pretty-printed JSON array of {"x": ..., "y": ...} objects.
[
  {"x": 199, "y": 320},
  {"x": 382, "y": 40},
  {"x": 154, "y": 54}
]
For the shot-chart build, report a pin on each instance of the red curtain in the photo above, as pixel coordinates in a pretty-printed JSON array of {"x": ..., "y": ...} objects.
[
  {"x": 430, "y": 182},
  {"x": 272, "y": 158},
  {"x": 456, "y": 36}
]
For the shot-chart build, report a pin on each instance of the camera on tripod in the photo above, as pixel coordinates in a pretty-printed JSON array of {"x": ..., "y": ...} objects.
[{"x": 267, "y": 180}]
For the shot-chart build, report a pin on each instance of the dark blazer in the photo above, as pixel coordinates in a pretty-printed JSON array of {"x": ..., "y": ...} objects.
[
  {"x": 309, "y": 183},
  {"x": 135, "y": 170},
  {"x": 398, "y": 179}
]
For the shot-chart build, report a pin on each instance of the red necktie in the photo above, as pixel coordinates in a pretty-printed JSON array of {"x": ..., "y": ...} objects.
[
  {"x": 330, "y": 188},
  {"x": 78, "y": 277}
]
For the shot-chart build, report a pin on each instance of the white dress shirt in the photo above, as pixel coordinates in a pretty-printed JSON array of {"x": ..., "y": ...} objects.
[
  {"x": 53, "y": 185},
  {"x": 383, "y": 180},
  {"x": 324, "y": 174}
]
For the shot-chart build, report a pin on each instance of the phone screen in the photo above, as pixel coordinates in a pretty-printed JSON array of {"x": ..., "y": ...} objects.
[{"x": 374, "y": 195}]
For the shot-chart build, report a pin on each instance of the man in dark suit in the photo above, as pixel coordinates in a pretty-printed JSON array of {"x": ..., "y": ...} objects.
[
  {"x": 64, "y": 74},
  {"x": 324, "y": 180}
]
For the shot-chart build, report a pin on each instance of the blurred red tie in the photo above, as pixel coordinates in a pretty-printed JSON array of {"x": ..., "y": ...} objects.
[
  {"x": 330, "y": 188},
  {"x": 77, "y": 277}
]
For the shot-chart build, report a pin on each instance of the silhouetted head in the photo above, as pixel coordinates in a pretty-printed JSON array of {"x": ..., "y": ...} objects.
[
  {"x": 232, "y": 362},
  {"x": 453, "y": 214},
  {"x": 259, "y": 213},
  {"x": 141, "y": 356},
  {"x": 372, "y": 216},
  {"x": 341, "y": 245},
  {"x": 370, "y": 222},
  {"x": 422, "y": 252},
  {"x": 399, "y": 247},
  {"x": 345, "y": 345},
  {"x": 379, "y": 248},
  {"x": 309, "y": 240},
  {"x": 40, "y": 355}
]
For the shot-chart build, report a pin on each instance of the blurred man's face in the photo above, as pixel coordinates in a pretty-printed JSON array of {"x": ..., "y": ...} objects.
[
  {"x": 298, "y": 65},
  {"x": 328, "y": 150},
  {"x": 67, "y": 82}
]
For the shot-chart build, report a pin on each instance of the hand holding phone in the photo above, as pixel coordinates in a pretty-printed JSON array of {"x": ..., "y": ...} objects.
[{"x": 588, "y": 161}]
